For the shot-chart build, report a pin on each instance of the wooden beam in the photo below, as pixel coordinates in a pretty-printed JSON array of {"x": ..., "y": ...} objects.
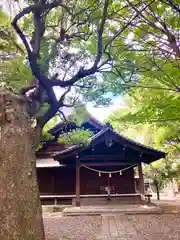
[
  {"x": 141, "y": 179},
  {"x": 103, "y": 157},
  {"x": 77, "y": 182},
  {"x": 115, "y": 158},
  {"x": 104, "y": 164}
]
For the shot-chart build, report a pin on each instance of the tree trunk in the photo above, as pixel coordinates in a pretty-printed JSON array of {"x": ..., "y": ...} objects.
[
  {"x": 20, "y": 207},
  {"x": 157, "y": 191}
]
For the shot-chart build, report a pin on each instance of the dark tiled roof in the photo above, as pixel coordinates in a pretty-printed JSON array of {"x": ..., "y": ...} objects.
[{"x": 126, "y": 141}]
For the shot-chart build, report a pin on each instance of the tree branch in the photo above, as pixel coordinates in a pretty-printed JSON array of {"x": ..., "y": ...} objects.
[
  {"x": 44, "y": 81},
  {"x": 100, "y": 33},
  {"x": 42, "y": 120},
  {"x": 38, "y": 33},
  {"x": 151, "y": 87}
]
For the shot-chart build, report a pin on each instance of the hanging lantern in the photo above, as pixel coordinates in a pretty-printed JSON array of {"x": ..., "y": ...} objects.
[
  {"x": 120, "y": 173},
  {"x": 99, "y": 174},
  {"x": 110, "y": 175}
]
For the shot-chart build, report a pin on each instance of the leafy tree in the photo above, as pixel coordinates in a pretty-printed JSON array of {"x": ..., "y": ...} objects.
[
  {"x": 14, "y": 72},
  {"x": 149, "y": 117},
  {"x": 149, "y": 57},
  {"x": 74, "y": 137},
  {"x": 78, "y": 136},
  {"x": 158, "y": 173},
  {"x": 9, "y": 45},
  {"x": 162, "y": 172}
]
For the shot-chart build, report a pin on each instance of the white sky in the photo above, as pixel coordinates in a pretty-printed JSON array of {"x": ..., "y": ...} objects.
[
  {"x": 104, "y": 112},
  {"x": 100, "y": 113},
  {"x": 11, "y": 6}
]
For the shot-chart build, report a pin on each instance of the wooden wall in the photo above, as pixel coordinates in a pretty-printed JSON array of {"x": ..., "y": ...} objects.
[
  {"x": 61, "y": 180},
  {"x": 57, "y": 180}
]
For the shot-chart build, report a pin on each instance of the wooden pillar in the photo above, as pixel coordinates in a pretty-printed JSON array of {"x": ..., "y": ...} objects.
[
  {"x": 77, "y": 182},
  {"x": 52, "y": 183},
  {"x": 141, "y": 179}
]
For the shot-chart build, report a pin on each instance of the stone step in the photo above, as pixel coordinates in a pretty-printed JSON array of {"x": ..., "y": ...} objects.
[{"x": 79, "y": 211}]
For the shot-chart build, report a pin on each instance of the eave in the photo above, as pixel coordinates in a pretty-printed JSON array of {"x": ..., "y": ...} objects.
[{"x": 108, "y": 132}]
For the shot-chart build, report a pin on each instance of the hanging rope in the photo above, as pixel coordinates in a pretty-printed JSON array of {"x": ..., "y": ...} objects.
[{"x": 108, "y": 172}]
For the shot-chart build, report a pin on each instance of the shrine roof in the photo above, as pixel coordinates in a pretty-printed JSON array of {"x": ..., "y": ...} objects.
[{"x": 106, "y": 134}]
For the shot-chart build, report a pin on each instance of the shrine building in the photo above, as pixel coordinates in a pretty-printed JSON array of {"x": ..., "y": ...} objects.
[{"x": 101, "y": 173}]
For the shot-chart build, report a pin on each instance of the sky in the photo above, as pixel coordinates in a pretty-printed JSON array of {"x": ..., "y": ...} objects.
[
  {"x": 103, "y": 112},
  {"x": 100, "y": 113}
]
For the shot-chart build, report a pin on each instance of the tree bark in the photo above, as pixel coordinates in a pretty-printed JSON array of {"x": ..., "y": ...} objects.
[
  {"x": 20, "y": 207},
  {"x": 157, "y": 191}
]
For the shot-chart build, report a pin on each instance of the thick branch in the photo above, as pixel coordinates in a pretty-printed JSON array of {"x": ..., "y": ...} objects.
[
  {"x": 40, "y": 8},
  {"x": 100, "y": 33},
  {"x": 42, "y": 120},
  {"x": 44, "y": 81},
  {"x": 79, "y": 75},
  {"x": 38, "y": 33}
]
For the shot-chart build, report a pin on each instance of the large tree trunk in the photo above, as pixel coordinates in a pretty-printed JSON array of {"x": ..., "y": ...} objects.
[{"x": 20, "y": 207}]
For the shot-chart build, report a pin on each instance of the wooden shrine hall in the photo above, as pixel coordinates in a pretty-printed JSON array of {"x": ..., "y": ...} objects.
[{"x": 100, "y": 173}]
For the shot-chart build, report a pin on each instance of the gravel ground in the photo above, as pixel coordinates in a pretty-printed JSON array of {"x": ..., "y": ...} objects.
[
  {"x": 72, "y": 228},
  {"x": 148, "y": 227},
  {"x": 157, "y": 227}
]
